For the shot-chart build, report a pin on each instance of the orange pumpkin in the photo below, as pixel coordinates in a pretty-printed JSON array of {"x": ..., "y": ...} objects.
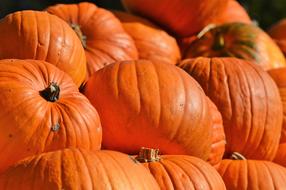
[
  {"x": 277, "y": 32},
  {"x": 241, "y": 174},
  {"x": 75, "y": 169},
  {"x": 41, "y": 111},
  {"x": 101, "y": 34},
  {"x": 239, "y": 40},
  {"x": 42, "y": 36},
  {"x": 181, "y": 17},
  {"x": 279, "y": 76},
  {"x": 152, "y": 42},
  {"x": 248, "y": 100},
  {"x": 180, "y": 171},
  {"x": 151, "y": 104}
]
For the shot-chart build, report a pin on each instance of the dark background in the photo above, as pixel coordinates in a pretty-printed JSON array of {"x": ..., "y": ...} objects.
[{"x": 265, "y": 12}]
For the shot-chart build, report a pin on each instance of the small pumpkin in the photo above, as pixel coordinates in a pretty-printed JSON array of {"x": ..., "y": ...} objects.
[
  {"x": 277, "y": 32},
  {"x": 151, "y": 104},
  {"x": 241, "y": 174},
  {"x": 78, "y": 169},
  {"x": 180, "y": 171},
  {"x": 41, "y": 111},
  {"x": 182, "y": 17},
  {"x": 101, "y": 33},
  {"x": 248, "y": 100},
  {"x": 151, "y": 42},
  {"x": 42, "y": 36},
  {"x": 239, "y": 40},
  {"x": 279, "y": 76}
]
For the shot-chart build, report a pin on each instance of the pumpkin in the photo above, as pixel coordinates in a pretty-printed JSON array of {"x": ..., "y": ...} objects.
[
  {"x": 101, "y": 33},
  {"x": 151, "y": 104},
  {"x": 241, "y": 174},
  {"x": 42, "y": 36},
  {"x": 239, "y": 40},
  {"x": 233, "y": 13},
  {"x": 248, "y": 100},
  {"x": 279, "y": 76},
  {"x": 181, "y": 17},
  {"x": 42, "y": 110},
  {"x": 152, "y": 42},
  {"x": 78, "y": 169},
  {"x": 218, "y": 136},
  {"x": 277, "y": 32},
  {"x": 180, "y": 171}
]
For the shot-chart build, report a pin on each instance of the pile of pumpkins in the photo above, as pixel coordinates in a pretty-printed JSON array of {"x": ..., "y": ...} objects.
[{"x": 171, "y": 94}]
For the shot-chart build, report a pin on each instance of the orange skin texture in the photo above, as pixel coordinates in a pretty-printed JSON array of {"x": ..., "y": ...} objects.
[
  {"x": 181, "y": 17},
  {"x": 184, "y": 173},
  {"x": 151, "y": 42},
  {"x": 27, "y": 119},
  {"x": 106, "y": 39},
  {"x": 42, "y": 36},
  {"x": 151, "y": 104},
  {"x": 240, "y": 40},
  {"x": 248, "y": 100},
  {"x": 252, "y": 175},
  {"x": 218, "y": 137},
  {"x": 279, "y": 76},
  {"x": 277, "y": 32},
  {"x": 75, "y": 169}
]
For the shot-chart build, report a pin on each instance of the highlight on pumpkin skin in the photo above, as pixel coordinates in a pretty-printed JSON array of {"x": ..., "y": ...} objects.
[{"x": 179, "y": 171}]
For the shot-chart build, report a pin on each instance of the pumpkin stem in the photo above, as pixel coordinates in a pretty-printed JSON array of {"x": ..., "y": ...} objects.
[
  {"x": 237, "y": 156},
  {"x": 51, "y": 93},
  {"x": 79, "y": 33},
  {"x": 218, "y": 42},
  {"x": 205, "y": 30},
  {"x": 148, "y": 155}
]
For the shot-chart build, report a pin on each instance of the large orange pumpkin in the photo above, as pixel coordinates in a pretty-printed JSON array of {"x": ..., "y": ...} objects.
[
  {"x": 42, "y": 110},
  {"x": 180, "y": 171},
  {"x": 277, "y": 32},
  {"x": 76, "y": 169},
  {"x": 241, "y": 174},
  {"x": 42, "y": 36},
  {"x": 279, "y": 76},
  {"x": 248, "y": 100},
  {"x": 151, "y": 42},
  {"x": 181, "y": 17},
  {"x": 239, "y": 40},
  {"x": 151, "y": 104},
  {"x": 101, "y": 33}
]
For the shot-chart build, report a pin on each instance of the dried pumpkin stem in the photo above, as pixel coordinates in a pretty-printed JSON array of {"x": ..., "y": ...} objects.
[
  {"x": 79, "y": 33},
  {"x": 218, "y": 42},
  {"x": 148, "y": 155},
  {"x": 237, "y": 156},
  {"x": 51, "y": 93}
]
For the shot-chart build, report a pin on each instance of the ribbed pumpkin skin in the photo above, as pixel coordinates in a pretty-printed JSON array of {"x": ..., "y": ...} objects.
[
  {"x": 248, "y": 100},
  {"x": 42, "y": 36},
  {"x": 252, "y": 175},
  {"x": 218, "y": 136},
  {"x": 239, "y": 40},
  {"x": 27, "y": 120},
  {"x": 185, "y": 173},
  {"x": 181, "y": 17},
  {"x": 147, "y": 104},
  {"x": 106, "y": 40},
  {"x": 277, "y": 32},
  {"x": 75, "y": 169},
  {"x": 234, "y": 12},
  {"x": 151, "y": 42},
  {"x": 279, "y": 76}
]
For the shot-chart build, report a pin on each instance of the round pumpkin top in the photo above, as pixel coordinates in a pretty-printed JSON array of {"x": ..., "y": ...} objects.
[
  {"x": 245, "y": 41},
  {"x": 146, "y": 104},
  {"x": 42, "y": 110},
  {"x": 277, "y": 32},
  {"x": 42, "y": 36},
  {"x": 101, "y": 33},
  {"x": 75, "y": 169}
]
